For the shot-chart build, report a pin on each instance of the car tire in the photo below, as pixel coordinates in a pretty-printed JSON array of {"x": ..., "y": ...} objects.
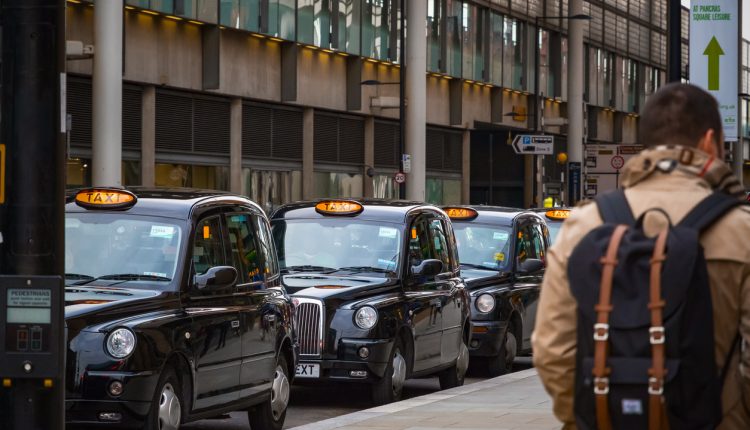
[
  {"x": 270, "y": 415},
  {"x": 502, "y": 363},
  {"x": 454, "y": 376},
  {"x": 390, "y": 387},
  {"x": 167, "y": 407}
]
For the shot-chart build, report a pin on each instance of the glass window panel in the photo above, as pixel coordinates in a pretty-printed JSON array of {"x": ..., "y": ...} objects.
[
  {"x": 496, "y": 48},
  {"x": 242, "y": 14},
  {"x": 384, "y": 187},
  {"x": 375, "y": 29},
  {"x": 246, "y": 257},
  {"x": 322, "y": 24},
  {"x": 166, "y": 6},
  {"x": 454, "y": 37},
  {"x": 186, "y": 8},
  {"x": 439, "y": 243},
  {"x": 208, "y": 250},
  {"x": 338, "y": 185},
  {"x": 434, "y": 191},
  {"x": 513, "y": 54},
  {"x": 79, "y": 172},
  {"x": 270, "y": 189},
  {"x": 138, "y": 3},
  {"x": 305, "y": 21},
  {"x": 282, "y": 19},
  {"x": 208, "y": 11},
  {"x": 546, "y": 74},
  {"x": 192, "y": 176},
  {"x": 349, "y": 25},
  {"x": 434, "y": 43},
  {"x": 564, "y": 68},
  {"x": 468, "y": 35},
  {"x": 451, "y": 192}
]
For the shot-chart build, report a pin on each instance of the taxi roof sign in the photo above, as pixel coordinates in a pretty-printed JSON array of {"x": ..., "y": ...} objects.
[
  {"x": 461, "y": 213},
  {"x": 338, "y": 207},
  {"x": 558, "y": 214},
  {"x": 105, "y": 198}
]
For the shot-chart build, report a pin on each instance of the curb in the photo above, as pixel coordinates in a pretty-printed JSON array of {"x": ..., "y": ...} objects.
[{"x": 358, "y": 417}]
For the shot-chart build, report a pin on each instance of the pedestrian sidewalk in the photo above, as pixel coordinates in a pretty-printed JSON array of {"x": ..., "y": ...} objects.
[{"x": 510, "y": 402}]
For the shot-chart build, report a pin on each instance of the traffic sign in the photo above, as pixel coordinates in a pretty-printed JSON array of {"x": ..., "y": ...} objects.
[
  {"x": 533, "y": 145},
  {"x": 617, "y": 162},
  {"x": 714, "y": 30},
  {"x": 399, "y": 177}
]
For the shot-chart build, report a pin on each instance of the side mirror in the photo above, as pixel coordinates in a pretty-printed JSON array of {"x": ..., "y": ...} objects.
[
  {"x": 530, "y": 266},
  {"x": 216, "y": 278},
  {"x": 428, "y": 268}
]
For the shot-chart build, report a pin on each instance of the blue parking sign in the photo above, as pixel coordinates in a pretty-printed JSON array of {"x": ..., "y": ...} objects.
[{"x": 526, "y": 140}]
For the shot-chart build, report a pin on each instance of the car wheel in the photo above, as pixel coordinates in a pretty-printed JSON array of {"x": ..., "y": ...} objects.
[
  {"x": 503, "y": 362},
  {"x": 166, "y": 407},
  {"x": 454, "y": 376},
  {"x": 272, "y": 413},
  {"x": 389, "y": 388}
]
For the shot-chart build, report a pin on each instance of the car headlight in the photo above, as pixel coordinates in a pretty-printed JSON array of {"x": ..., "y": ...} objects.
[
  {"x": 485, "y": 303},
  {"x": 366, "y": 317},
  {"x": 120, "y": 343}
]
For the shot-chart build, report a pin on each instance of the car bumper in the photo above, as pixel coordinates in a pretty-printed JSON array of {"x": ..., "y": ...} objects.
[
  {"x": 487, "y": 338},
  {"x": 129, "y": 410},
  {"x": 349, "y": 366}
]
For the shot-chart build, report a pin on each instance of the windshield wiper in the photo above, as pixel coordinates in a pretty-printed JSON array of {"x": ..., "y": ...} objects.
[
  {"x": 307, "y": 268},
  {"x": 78, "y": 276},
  {"x": 479, "y": 266},
  {"x": 126, "y": 277},
  {"x": 366, "y": 269}
]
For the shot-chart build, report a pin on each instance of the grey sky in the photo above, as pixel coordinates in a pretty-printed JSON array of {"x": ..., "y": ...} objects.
[{"x": 745, "y": 16}]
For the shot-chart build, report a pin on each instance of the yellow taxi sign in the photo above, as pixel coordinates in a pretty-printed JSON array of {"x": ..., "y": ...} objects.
[
  {"x": 558, "y": 214},
  {"x": 105, "y": 198},
  {"x": 338, "y": 207},
  {"x": 461, "y": 213}
]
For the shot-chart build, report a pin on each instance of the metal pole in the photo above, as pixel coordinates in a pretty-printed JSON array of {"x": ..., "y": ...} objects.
[
  {"x": 575, "y": 93},
  {"x": 674, "y": 34},
  {"x": 738, "y": 147},
  {"x": 107, "y": 94},
  {"x": 416, "y": 95},
  {"x": 537, "y": 113},
  {"x": 402, "y": 97},
  {"x": 32, "y": 196}
]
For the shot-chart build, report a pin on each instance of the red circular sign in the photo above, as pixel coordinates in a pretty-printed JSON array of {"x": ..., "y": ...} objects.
[
  {"x": 617, "y": 162},
  {"x": 399, "y": 177}
]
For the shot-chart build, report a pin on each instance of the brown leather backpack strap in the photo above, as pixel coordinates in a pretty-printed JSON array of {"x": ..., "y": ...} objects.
[
  {"x": 601, "y": 330},
  {"x": 657, "y": 372}
]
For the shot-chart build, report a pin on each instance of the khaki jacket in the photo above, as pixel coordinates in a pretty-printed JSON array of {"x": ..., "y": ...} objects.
[{"x": 657, "y": 178}]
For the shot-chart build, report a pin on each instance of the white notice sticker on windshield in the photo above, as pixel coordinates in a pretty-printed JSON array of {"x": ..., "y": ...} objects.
[
  {"x": 388, "y": 232},
  {"x": 162, "y": 231},
  {"x": 500, "y": 235}
]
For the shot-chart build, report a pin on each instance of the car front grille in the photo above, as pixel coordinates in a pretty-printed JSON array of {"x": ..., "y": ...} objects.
[{"x": 310, "y": 327}]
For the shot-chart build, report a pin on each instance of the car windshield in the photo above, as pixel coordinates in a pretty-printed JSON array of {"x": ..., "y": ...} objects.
[
  {"x": 483, "y": 246},
  {"x": 342, "y": 244},
  {"x": 121, "y": 247},
  {"x": 554, "y": 228}
]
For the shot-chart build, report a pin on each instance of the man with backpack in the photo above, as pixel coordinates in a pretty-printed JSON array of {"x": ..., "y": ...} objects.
[{"x": 644, "y": 314}]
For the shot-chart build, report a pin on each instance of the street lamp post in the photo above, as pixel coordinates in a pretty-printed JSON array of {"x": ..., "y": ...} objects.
[{"x": 537, "y": 111}]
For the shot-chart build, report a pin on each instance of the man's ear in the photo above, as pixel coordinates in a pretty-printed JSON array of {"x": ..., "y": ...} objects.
[{"x": 709, "y": 144}]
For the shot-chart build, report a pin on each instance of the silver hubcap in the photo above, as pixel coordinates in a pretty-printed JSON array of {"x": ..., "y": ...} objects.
[
  {"x": 462, "y": 362},
  {"x": 279, "y": 393},
  {"x": 399, "y": 372},
  {"x": 170, "y": 410},
  {"x": 510, "y": 349}
]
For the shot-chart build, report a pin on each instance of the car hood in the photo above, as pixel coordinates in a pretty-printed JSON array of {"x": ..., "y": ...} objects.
[
  {"x": 345, "y": 287},
  {"x": 478, "y": 278},
  {"x": 86, "y": 300}
]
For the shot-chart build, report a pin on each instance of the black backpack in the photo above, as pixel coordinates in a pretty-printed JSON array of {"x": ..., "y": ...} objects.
[{"x": 645, "y": 355}]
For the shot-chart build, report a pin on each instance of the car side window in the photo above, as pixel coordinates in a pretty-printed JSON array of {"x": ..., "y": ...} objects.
[
  {"x": 268, "y": 262},
  {"x": 439, "y": 243},
  {"x": 419, "y": 242},
  {"x": 208, "y": 248},
  {"x": 245, "y": 253},
  {"x": 539, "y": 243},
  {"x": 525, "y": 243}
]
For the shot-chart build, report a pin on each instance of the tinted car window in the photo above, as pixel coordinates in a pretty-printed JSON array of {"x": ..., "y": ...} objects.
[
  {"x": 100, "y": 244},
  {"x": 245, "y": 253},
  {"x": 208, "y": 250},
  {"x": 525, "y": 243},
  {"x": 419, "y": 243},
  {"x": 483, "y": 245},
  {"x": 267, "y": 258},
  {"x": 439, "y": 243}
]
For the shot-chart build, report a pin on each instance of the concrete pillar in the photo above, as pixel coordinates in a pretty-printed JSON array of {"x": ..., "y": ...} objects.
[
  {"x": 575, "y": 86},
  {"x": 416, "y": 95},
  {"x": 235, "y": 147},
  {"x": 148, "y": 136},
  {"x": 308, "y": 160},
  {"x": 107, "y": 94},
  {"x": 465, "y": 167},
  {"x": 369, "y": 155}
]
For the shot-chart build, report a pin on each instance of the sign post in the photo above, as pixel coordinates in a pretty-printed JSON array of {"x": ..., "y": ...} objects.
[{"x": 714, "y": 29}]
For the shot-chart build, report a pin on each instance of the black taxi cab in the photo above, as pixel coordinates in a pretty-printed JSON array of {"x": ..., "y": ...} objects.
[
  {"x": 502, "y": 255},
  {"x": 174, "y": 310},
  {"x": 554, "y": 217},
  {"x": 377, "y": 290}
]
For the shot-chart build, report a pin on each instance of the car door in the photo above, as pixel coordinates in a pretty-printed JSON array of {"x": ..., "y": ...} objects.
[
  {"x": 424, "y": 297},
  {"x": 249, "y": 255},
  {"x": 525, "y": 293},
  {"x": 449, "y": 285},
  {"x": 216, "y": 342}
]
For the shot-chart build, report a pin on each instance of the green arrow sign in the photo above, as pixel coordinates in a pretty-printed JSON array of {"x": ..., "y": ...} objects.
[{"x": 713, "y": 51}]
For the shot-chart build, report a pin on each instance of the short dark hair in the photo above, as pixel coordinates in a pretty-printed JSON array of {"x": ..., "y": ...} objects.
[{"x": 679, "y": 114}]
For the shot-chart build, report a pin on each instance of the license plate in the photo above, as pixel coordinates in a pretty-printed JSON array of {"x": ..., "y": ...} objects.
[{"x": 308, "y": 371}]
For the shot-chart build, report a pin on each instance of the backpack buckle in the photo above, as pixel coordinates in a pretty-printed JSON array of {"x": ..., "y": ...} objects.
[
  {"x": 656, "y": 335},
  {"x": 601, "y": 331},
  {"x": 601, "y": 386},
  {"x": 655, "y": 386}
]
